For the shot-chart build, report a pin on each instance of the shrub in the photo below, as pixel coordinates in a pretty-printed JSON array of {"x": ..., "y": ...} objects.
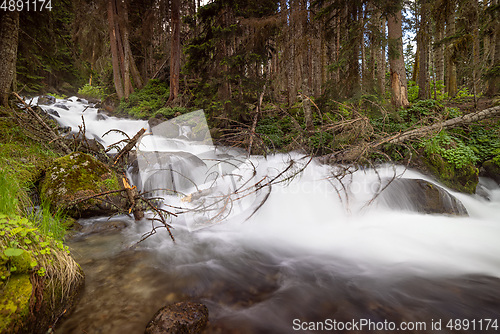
[{"x": 88, "y": 91}]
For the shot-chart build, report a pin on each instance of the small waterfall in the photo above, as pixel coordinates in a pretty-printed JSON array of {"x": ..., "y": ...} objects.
[{"x": 312, "y": 251}]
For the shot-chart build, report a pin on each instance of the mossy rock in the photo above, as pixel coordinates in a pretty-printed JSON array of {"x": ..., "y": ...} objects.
[
  {"x": 491, "y": 169},
  {"x": 14, "y": 304},
  {"x": 463, "y": 179},
  {"x": 76, "y": 176}
]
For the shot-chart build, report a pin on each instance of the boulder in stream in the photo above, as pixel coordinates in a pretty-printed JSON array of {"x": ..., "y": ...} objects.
[
  {"x": 79, "y": 175},
  {"x": 46, "y": 100},
  {"x": 421, "y": 196},
  {"x": 183, "y": 317}
]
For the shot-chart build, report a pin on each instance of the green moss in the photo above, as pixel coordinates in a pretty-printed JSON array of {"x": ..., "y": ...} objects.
[
  {"x": 14, "y": 303},
  {"x": 462, "y": 179},
  {"x": 76, "y": 176}
]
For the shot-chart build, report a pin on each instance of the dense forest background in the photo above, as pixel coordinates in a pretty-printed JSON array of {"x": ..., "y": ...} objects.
[{"x": 248, "y": 61}]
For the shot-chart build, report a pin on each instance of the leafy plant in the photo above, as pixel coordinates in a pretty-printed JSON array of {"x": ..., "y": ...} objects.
[
  {"x": 25, "y": 246},
  {"x": 451, "y": 149},
  {"x": 88, "y": 91}
]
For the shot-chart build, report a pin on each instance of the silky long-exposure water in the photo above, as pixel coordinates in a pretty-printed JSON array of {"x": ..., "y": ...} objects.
[{"x": 304, "y": 261}]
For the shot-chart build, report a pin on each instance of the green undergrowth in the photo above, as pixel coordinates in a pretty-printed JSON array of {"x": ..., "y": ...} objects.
[
  {"x": 91, "y": 92},
  {"x": 150, "y": 102},
  {"x": 31, "y": 237},
  {"x": 26, "y": 249}
]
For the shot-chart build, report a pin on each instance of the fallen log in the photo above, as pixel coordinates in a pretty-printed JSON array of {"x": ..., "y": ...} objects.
[{"x": 354, "y": 153}]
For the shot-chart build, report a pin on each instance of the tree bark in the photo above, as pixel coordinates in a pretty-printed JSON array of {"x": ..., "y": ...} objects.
[
  {"x": 396, "y": 61},
  {"x": 381, "y": 65},
  {"x": 451, "y": 67},
  {"x": 175, "y": 51},
  {"x": 9, "y": 31},
  {"x": 423, "y": 40},
  {"x": 114, "y": 50},
  {"x": 439, "y": 52}
]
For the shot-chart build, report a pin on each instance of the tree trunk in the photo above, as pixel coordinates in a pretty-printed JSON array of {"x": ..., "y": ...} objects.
[
  {"x": 114, "y": 50},
  {"x": 396, "y": 61},
  {"x": 9, "y": 28},
  {"x": 475, "y": 49},
  {"x": 175, "y": 51},
  {"x": 439, "y": 52},
  {"x": 122, "y": 19},
  {"x": 423, "y": 40},
  {"x": 451, "y": 68},
  {"x": 381, "y": 59}
]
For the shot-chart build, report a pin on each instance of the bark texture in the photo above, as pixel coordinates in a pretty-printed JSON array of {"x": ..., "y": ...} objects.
[
  {"x": 9, "y": 30},
  {"x": 175, "y": 51},
  {"x": 396, "y": 61}
]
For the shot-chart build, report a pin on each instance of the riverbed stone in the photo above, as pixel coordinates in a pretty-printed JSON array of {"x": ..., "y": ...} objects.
[
  {"x": 421, "y": 196},
  {"x": 76, "y": 176},
  {"x": 179, "y": 318}
]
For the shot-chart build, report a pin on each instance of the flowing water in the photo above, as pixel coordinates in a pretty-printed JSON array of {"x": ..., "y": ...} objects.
[{"x": 308, "y": 257}]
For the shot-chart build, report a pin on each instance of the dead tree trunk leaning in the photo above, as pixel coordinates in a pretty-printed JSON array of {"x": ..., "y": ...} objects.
[
  {"x": 396, "y": 61},
  {"x": 354, "y": 153},
  {"x": 9, "y": 27}
]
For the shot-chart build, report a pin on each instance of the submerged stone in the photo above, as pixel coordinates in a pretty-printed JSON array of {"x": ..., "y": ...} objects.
[
  {"x": 184, "y": 317},
  {"x": 421, "y": 196}
]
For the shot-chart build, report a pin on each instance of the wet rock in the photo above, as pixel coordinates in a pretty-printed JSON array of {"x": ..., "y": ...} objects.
[
  {"x": 184, "y": 317},
  {"x": 46, "y": 100},
  {"x": 491, "y": 169},
  {"x": 421, "y": 196},
  {"x": 53, "y": 112},
  {"x": 77, "y": 176},
  {"x": 62, "y": 106},
  {"x": 101, "y": 117}
]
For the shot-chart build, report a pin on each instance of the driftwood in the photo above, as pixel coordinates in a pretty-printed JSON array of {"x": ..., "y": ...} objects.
[
  {"x": 51, "y": 133},
  {"x": 354, "y": 153}
]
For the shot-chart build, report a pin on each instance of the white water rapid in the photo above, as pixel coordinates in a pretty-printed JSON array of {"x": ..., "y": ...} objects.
[{"x": 305, "y": 254}]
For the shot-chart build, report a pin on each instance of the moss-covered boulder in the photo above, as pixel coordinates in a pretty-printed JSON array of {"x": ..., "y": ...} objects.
[
  {"x": 462, "y": 179},
  {"x": 39, "y": 279},
  {"x": 77, "y": 176},
  {"x": 14, "y": 304},
  {"x": 491, "y": 169}
]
